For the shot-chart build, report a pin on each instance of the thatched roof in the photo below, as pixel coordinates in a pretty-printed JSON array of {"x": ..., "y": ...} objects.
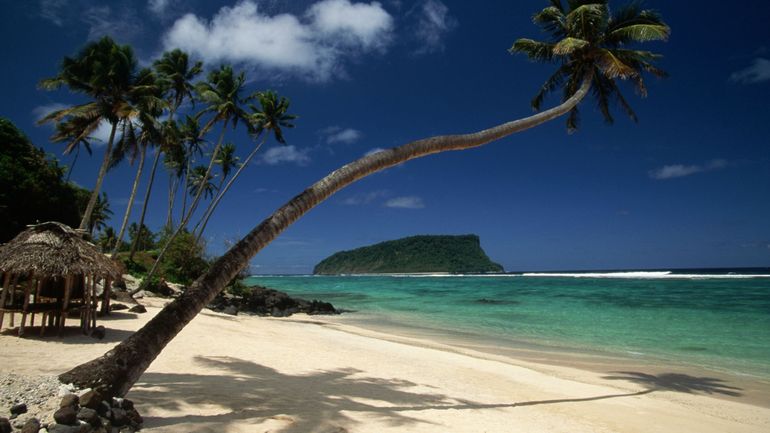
[{"x": 53, "y": 249}]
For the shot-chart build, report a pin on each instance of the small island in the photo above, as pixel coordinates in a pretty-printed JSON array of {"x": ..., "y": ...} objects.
[{"x": 415, "y": 254}]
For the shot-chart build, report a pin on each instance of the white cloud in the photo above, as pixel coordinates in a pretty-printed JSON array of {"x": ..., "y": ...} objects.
[
  {"x": 158, "y": 7},
  {"x": 314, "y": 45},
  {"x": 408, "y": 202},
  {"x": 756, "y": 73},
  {"x": 52, "y": 10},
  {"x": 433, "y": 24},
  {"x": 364, "y": 198},
  {"x": 680, "y": 170},
  {"x": 285, "y": 154},
  {"x": 118, "y": 24},
  {"x": 335, "y": 134}
]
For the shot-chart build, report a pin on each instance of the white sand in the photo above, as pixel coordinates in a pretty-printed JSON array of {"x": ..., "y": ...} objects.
[{"x": 302, "y": 374}]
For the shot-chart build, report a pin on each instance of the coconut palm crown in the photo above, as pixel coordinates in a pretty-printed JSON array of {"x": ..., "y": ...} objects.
[
  {"x": 270, "y": 115},
  {"x": 590, "y": 40}
]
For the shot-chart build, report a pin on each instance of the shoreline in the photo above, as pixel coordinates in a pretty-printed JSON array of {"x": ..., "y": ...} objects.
[{"x": 312, "y": 373}]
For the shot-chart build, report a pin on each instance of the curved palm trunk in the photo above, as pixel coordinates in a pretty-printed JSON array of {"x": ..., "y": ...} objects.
[
  {"x": 187, "y": 217},
  {"x": 127, "y": 214},
  {"x": 135, "y": 243},
  {"x": 222, "y": 192},
  {"x": 72, "y": 166},
  {"x": 116, "y": 371},
  {"x": 84, "y": 223},
  {"x": 172, "y": 187}
]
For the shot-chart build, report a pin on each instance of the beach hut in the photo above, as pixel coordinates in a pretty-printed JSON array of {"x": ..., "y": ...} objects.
[{"x": 51, "y": 270}]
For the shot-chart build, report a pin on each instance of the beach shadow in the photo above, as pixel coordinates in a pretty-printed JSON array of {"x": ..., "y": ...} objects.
[
  {"x": 317, "y": 401},
  {"x": 328, "y": 400},
  {"x": 69, "y": 335},
  {"x": 678, "y": 382}
]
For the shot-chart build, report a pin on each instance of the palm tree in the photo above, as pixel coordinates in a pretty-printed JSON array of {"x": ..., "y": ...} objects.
[
  {"x": 117, "y": 370},
  {"x": 227, "y": 160},
  {"x": 270, "y": 116},
  {"x": 105, "y": 72},
  {"x": 175, "y": 161},
  {"x": 148, "y": 109},
  {"x": 100, "y": 213},
  {"x": 107, "y": 239},
  {"x": 175, "y": 74},
  {"x": 222, "y": 94},
  {"x": 193, "y": 139},
  {"x": 199, "y": 180}
]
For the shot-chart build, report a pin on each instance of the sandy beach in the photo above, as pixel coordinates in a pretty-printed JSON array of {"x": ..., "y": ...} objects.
[{"x": 310, "y": 374}]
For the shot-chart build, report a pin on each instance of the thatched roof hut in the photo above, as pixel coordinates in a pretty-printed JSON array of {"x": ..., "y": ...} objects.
[{"x": 56, "y": 262}]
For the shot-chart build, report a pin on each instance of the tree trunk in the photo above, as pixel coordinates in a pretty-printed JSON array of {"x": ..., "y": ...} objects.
[
  {"x": 146, "y": 200},
  {"x": 72, "y": 166},
  {"x": 99, "y": 179},
  {"x": 222, "y": 192},
  {"x": 116, "y": 371},
  {"x": 127, "y": 214},
  {"x": 186, "y": 218}
]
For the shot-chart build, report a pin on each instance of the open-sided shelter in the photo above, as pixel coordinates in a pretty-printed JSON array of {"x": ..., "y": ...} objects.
[{"x": 50, "y": 269}]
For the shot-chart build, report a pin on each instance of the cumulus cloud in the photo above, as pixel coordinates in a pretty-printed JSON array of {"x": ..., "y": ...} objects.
[
  {"x": 433, "y": 24},
  {"x": 756, "y": 73},
  {"x": 680, "y": 170},
  {"x": 335, "y": 134},
  {"x": 364, "y": 198},
  {"x": 285, "y": 154},
  {"x": 407, "y": 202},
  {"x": 313, "y": 45}
]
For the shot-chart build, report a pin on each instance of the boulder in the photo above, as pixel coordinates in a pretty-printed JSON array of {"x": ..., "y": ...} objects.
[
  {"x": 138, "y": 308},
  {"x": 90, "y": 416},
  {"x": 91, "y": 399},
  {"x": 98, "y": 332},
  {"x": 231, "y": 310},
  {"x": 269, "y": 302},
  {"x": 118, "y": 307},
  {"x": 31, "y": 426},
  {"x": 18, "y": 409},
  {"x": 69, "y": 400},
  {"x": 66, "y": 415},
  {"x": 5, "y": 425}
]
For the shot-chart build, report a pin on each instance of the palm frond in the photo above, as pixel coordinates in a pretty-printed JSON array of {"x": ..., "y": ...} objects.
[
  {"x": 535, "y": 50},
  {"x": 612, "y": 67},
  {"x": 568, "y": 46}
]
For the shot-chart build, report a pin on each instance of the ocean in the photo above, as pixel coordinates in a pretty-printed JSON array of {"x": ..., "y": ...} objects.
[{"x": 717, "y": 319}]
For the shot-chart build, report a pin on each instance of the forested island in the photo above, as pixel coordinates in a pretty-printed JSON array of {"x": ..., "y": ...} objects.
[{"x": 416, "y": 254}]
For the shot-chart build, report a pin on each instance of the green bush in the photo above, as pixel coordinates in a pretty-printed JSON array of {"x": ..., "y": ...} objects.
[{"x": 184, "y": 261}]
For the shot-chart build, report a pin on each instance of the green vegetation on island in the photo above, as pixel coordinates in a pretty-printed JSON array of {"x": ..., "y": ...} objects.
[{"x": 415, "y": 254}]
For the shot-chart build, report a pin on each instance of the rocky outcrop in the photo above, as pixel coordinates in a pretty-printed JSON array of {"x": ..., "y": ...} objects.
[{"x": 263, "y": 301}]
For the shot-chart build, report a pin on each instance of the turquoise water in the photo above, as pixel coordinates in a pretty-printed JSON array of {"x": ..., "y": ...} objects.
[{"x": 719, "y": 321}]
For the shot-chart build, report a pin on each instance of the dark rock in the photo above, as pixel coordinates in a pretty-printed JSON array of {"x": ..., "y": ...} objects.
[
  {"x": 118, "y": 307},
  {"x": 90, "y": 416},
  {"x": 18, "y": 409},
  {"x": 31, "y": 426},
  {"x": 69, "y": 400},
  {"x": 91, "y": 399},
  {"x": 127, "y": 429},
  {"x": 162, "y": 289},
  {"x": 5, "y": 425},
  {"x": 119, "y": 417},
  {"x": 66, "y": 415},
  {"x": 98, "y": 332},
  {"x": 138, "y": 309},
  {"x": 103, "y": 409},
  {"x": 231, "y": 310},
  {"x": 134, "y": 417}
]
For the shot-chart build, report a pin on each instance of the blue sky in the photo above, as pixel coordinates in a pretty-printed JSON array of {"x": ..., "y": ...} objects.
[{"x": 687, "y": 186}]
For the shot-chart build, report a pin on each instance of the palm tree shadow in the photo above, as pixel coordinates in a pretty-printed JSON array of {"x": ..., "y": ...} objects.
[
  {"x": 327, "y": 400},
  {"x": 248, "y": 392},
  {"x": 678, "y": 382}
]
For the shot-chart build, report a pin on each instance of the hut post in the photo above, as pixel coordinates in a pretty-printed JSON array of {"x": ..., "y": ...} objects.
[
  {"x": 12, "y": 292},
  {"x": 27, "y": 293},
  {"x": 93, "y": 303},
  {"x": 36, "y": 299},
  {"x": 65, "y": 304},
  {"x": 106, "y": 296},
  {"x": 6, "y": 284}
]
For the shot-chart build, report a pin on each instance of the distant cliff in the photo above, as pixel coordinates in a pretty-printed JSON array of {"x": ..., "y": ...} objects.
[{"x": 415, "y": 254}]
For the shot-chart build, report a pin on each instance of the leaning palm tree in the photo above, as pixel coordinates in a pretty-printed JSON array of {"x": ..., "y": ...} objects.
[
  {"x": 175, "y": 75},
  {"x": 105, "y": 72},
  {"x": 270, "y": 116},
  {"x": 200, "y": 180},
  {"x": 589, "y": 21}
]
